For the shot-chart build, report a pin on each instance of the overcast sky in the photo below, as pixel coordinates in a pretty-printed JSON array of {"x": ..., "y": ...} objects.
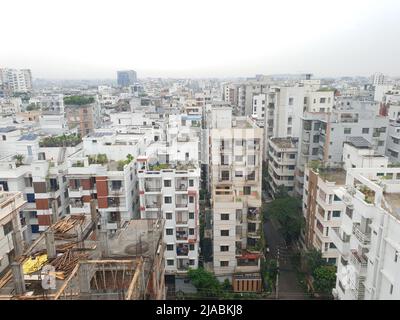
[{"x": 208, "y": 38}]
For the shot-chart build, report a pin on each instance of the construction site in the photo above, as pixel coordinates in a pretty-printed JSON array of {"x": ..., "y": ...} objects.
[{"x": 78, "y": 259}]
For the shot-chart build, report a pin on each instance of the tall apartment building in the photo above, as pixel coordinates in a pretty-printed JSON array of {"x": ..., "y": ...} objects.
[
  {"x": 11, "y": 244},
  {"x": 322, "y": 209},
  {"x": 52, "y": 119},
  {"x": 16, "y": 80},
  {"x": 282, "y": 156},
  {"x": 235, "y": 176},
  {"x": 378, "y": 79},
  {"x": 323, "y": 134},
  {"x": 369, "y": 235},
  {"x": 126, "y": 78},
  {"x": 171, "y": 191}
]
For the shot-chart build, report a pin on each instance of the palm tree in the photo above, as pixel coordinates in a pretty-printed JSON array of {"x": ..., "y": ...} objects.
[{"x": 19, "y": 158}]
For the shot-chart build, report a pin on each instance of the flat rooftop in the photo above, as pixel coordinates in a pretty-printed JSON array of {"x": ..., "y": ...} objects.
[
  {"x": 337, "y": 175},
  {"x": 285, "y": 142},
  {"x": 393, "y": 199}
]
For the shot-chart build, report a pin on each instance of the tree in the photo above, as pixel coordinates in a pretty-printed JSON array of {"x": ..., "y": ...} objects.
[
  {"x": 19, "y": 158},
  {"x": 313, "y": 260},
  {"x": 281, "y": 192},
  {"x": 287, "y": 211},
  {"x": 205, "y": 282},
  {"x": 324, "y": 279}
]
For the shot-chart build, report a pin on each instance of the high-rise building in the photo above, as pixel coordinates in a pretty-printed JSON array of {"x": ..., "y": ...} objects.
[
  {"x": 16, "y": 80},
  {"x": 378, "y": 79},
  {"x": 126, "y": 78},
  {"x": 235, "y": 177}
]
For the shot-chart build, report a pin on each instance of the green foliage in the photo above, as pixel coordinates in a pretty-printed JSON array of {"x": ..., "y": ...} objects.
[
  {"x": 100, "y": 158},
  {"x": 313, "y": 260},
  {"x": 121, "y": 163},
  {"x": 287, "y": 211},
  {"x": 32, "y": 106},
  {"x": 159, "y": 166},
  {"x": 205, "y": 282},
  {"x": 78, "y": 100},
  {"x": 315, "y": 164},
  {"x": 281, "y": 192},
  {"x": 19, "y": 158},
  {"x": 61, "y": 141},
  {"x": 324, "y": 279}
]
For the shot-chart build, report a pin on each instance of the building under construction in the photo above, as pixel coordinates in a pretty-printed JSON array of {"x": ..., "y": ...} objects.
[{"x": 78, "y": 259}]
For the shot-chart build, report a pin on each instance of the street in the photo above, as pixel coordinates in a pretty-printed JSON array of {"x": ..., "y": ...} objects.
[{"x": 289, "y": 288}]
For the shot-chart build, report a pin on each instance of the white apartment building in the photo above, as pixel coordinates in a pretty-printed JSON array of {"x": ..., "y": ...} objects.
[
  {"x": 171, "y": 191},
  {"x": 282, "y": 157},
  {"x": 16, "y": 80},
  {"x": 235, "y": 179},
  {"x": 11, "y": 243},
  {"x": 378, "y": 79},
  {"x": 369, "y": 236}
]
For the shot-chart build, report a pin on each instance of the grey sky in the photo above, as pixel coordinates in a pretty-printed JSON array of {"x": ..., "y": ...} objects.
[{"x": 209, "y": 38}]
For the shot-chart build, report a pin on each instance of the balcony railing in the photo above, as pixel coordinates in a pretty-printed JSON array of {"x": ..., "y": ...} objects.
[
  {"x": 359, "y": 261},
  {"x": 181, "y": 205},
  {"x": 362, "y": 236},
  {"x": 181, "y": 187},
  {"x": 152, "y": 188}
]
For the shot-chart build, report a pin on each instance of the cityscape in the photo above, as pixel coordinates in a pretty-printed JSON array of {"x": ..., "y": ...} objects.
[{"x": 131, "y": 186}]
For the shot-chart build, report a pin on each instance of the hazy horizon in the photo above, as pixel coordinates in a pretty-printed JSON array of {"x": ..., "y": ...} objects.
[{"x": 71, "y": 40}]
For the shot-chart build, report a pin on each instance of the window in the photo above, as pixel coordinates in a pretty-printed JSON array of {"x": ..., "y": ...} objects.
[
  {"x": 7, "y": 228},
  {"x": 291, "y": 100},
  {"x": 30, "y": 197},
  {"x": 168, "y": 215},
  {"x": 170, "y": 262},
  {"x": 347, "y": 130},
  {"x": 191, "y": 231},
  {"x": 191, "y": 247},
  {"x": 169, "y": 232},
  {"x": 167, "y": 183},
  {"x": 246, "y": 190},
  {"x": 238, "y": 174},
  {"x": 251, "y": 160},
  {"x": 167, "y": 199},
  {"x": 191, "y": 199},
  {"x": 191, "y": 183},
  {"x": 336, "y": 214},
  {"x": 225, "y": 175},
  {"x": 316, "y": 138},
  {"x": 170, "y": 247},
  {"x": 239, "y": 158},
  {"x": 191, "y": 262},
  {"x": 381, "y": 143},
  {"x": 191, "y": 215},
  {"x": 224, "y": 263},
  {"x": 224, "y": 233},
  {"x": 322, "y": 100},
  {"x": 224, "y": 216},
  {"x": 365, "y": 130},
  {"x": 224, "y": 248}
]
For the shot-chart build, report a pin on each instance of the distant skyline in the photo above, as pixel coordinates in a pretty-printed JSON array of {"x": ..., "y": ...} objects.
[{"x": 190, "y": 39}]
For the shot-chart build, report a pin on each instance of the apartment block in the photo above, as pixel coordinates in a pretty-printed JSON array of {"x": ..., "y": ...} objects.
[
  {"x": 235, "y": 176},
  {"x": 16, "y": 80},
  {"x": 11, "y": 240},
  {"x": 282, "y": 157},
  {"x": 368, "y": 236}
]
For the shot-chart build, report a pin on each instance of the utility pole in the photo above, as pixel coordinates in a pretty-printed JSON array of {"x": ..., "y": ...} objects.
[{"x": 277, "y": 276}]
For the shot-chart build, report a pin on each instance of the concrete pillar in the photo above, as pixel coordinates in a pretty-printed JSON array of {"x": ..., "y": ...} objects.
[
  {"x": 18, "y": 278},
  {"x": 50, "y": 244},
  {"x": 103, "y": 241},
  {"x": 84, "y": 278},
  {"x": 54, "y": 211},
  {"x": 17, "y": 243},
  {"x": 94, "y": 216}
]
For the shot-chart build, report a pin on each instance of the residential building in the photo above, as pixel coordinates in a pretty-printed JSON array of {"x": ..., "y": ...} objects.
[
  {"x": 282, "y": 159},
  {"x": 369, "y": 235},
  {"x": 16, "y": 80},
  {"x": 235, "y": 178},
  {"x": 11, "y": 240}
]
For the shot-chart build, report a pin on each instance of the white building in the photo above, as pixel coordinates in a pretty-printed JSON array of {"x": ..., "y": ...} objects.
[
  {"x": 11, "y": 244},
  {"x": 369, "y": 236},
  {"x": 378, "y": 79},
  {"x": 235, "y": 180},
  {"x": 16, "y": 80}
]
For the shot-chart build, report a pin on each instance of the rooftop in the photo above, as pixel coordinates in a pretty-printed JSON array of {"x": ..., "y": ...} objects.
[
  {"x": 28, "y": 137},
  {"x": 285, "y": 143},
  {"x": 358, "y": 142},
  {"x": 8, "y": 129},
  {"x": 337, "y": 175}
]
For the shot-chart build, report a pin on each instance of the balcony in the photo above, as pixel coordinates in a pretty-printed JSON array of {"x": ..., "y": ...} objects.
[
  {"x": 183, "y": 264},
  {"x": 359, "y": 262},
  {"x": 181, "y": 201},
  {"x": 181, "y": 184},
  {"x": 182, "y": 234},
  {"x": 341, "y": 242},
  {"x": 182, "y": 250},
  {"x": 362, "y": 236}
]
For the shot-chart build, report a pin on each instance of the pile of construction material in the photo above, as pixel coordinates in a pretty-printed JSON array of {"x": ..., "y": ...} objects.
[
  {"x": 63, "y": 226},
  {"x": 66, "y": 262}
]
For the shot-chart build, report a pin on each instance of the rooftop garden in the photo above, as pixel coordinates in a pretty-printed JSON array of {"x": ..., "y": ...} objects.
[
  {"x": 70, "y": 140},
  {"x": 100, "y": 158},
  {"x": 121, "y": 163},
  {"x": 368, "y": 193},
  {"x": 78, "y": 100}
]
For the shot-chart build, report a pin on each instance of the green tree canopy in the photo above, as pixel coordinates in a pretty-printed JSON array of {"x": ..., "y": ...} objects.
[{"x": 324, "y": 279}]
